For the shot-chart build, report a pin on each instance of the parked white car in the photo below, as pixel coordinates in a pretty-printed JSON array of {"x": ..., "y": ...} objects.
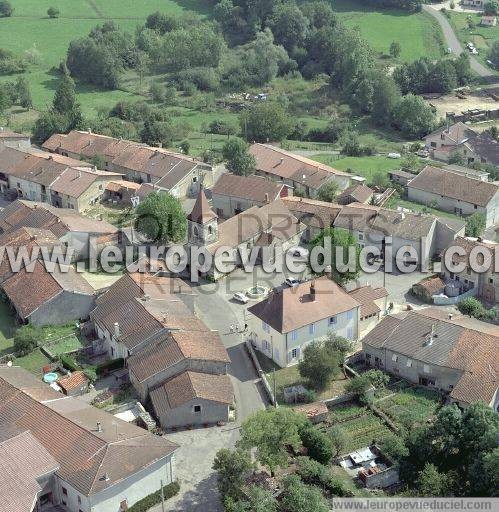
[
  {"x": 292, "y": 282},
  {"x": 240, "y": 297},
  {"x": 394, "y": 155}
]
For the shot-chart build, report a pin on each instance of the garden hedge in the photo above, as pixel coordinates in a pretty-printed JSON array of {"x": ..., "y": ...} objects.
[{"x": 146, "y": 503}]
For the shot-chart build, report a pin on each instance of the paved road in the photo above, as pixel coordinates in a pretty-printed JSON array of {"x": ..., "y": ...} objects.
[{"x": 453, "y": 42}]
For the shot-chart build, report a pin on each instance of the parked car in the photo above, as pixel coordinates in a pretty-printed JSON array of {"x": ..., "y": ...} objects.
[
  {"x": 292, "y": 282},
  {"x": 474, "y": 51},
  {"x": 394, "y": 155},
  {"x": 240, "y": 297},
  {"x": 299, "y": 252},
  {"x": 449, "y": 50},
  {"x": 423, "y": 153}
]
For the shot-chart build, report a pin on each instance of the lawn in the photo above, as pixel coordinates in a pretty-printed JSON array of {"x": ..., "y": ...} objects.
[
  {"x": 290, "y": 376},
  {"x": 418, "y": 34},
  {"x": 482, "y": 37},
  {"x": 366, "y": 166},
  {"x": 416, "y": 207},
  {"x": 33, "y": 362},
  {"x": 29, "y": 29},
  {"x": 68, "y": 344},
  {"x": 409, "y": 406},
  {"x": 7, "y": 329}
]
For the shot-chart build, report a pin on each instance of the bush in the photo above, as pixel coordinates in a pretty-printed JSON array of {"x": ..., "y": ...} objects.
[
  {"x": 53, "y": 12},
  {"x": 6, "y": 9},
  {"x": 146, "y": 503},
  {"x": 25, "y": 341},
  {"x": 109, "y": 366},
  {"x": 318, "y": 444},
  {"x": 470, "y": 306},
  {"x": 69, "y": 363},
  {"x": 359, "y": 386}
]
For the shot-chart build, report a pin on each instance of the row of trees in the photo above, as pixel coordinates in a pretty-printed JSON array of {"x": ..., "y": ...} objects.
[{"x": 424, "y": 76}]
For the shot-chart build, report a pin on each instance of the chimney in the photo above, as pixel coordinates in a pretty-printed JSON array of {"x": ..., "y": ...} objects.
[
  {"x": 105, "y": 477},
  {"x": 281, "y": 160},
  {"x": 79, "y": 173},
  {"x": 267, "y": 199},
  {"x": 99, "y": 426},
  {"x": 312, "y": 291},
  {"x": 116, "y": 329},
  {"x": 450, "y": 316},
  {"x": 145, "y": 297}
]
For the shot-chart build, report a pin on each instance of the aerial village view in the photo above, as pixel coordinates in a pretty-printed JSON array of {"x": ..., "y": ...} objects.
[{"x": 249, "y": 255}]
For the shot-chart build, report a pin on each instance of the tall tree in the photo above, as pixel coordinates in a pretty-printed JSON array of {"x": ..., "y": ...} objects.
[
  {"x": 299, "y": 497},
  {"x": 271, "y": 431},
  {"x": 233, "y": 468},
  {"x": 265, "y": 121},
  {"x": 239, "y": 161},
  {"x": 344, "y": 252},
  {"x": 413, "y": 116},
  {"x": 161, "y": 218},
  {"x": 24, "y": 93},
  {"x": 320, "y": 363}
]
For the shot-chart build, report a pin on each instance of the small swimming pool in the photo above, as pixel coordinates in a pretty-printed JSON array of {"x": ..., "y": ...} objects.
[{"x": 50, "y": 377}]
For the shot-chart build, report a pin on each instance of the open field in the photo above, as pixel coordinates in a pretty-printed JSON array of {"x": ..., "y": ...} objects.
[
  {"x": 7, "y": 329},
  {"x": 366, "y": 166},
  {"x": 482, "y": 37},
  {"x": 418, "y": 34}
]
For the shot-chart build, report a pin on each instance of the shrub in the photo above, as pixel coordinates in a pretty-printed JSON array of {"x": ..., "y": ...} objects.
[
  {"x": 359, "y": 386},
  {"x": 69, "y": 363},
  {"x": 470, "y": 306},
  {"x": 6, "y": 9},
  {"x": 318, "y": 444},
  {"x": 146, "y": 503},
  {"x": 25, "y": 341},
  {"x": 53, "y": 12},
  {"x": 109, "y": 366}
]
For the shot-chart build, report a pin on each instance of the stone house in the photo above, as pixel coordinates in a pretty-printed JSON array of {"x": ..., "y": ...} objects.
[
  {"x": 173, "y": 353},
  {"x": 13, "y": 139},
  {"x": 284, "y": 323},
  {"x": 234, "y": 194},
  {"x": 193, "y": 398},
  {"x": 306, "y": 176},
  {"x": 315, "y": 215},
  {"x": 150, "y": 322},
  {"x": 456, "y": 193},
  {"x": 373, "y": 303},
  {"x": 90, "y": 460},
  {"x": 378, "y": 227},
  {"x": 70, "y": 228},
  {"x": 357, "y": 193},
  {"x": 460, "y": 139},
  {"x": 271, "y": 226},
  {"x": 486, "y": 284},
  {"x": 176, "y": 173},
  {"x": 59, "y": 297},
  {"x": 426, "y": 347}
]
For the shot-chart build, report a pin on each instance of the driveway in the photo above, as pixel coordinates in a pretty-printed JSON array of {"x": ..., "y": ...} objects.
[
  {"x": 193, "y": 461},
  {"x": 453, "y": 43}
]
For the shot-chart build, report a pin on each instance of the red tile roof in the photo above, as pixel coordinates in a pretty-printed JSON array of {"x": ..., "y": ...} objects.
[
  {"x": 291, "y": 308},
  {"x": 188, "y": 386},
  {"x": 89, "y": 460}
]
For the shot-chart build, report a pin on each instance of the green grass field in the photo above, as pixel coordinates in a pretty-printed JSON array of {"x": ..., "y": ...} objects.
[
  {"x": 418, "y": 34},
  {"x": 33, "y": 362},
  {"x": 416, "y": 207},
  {"x": 366, "y": 166},
  {"x": 30, "y": 30},
  {"x": 66, "y": 345},
  {"x": 482, "y": 37}
]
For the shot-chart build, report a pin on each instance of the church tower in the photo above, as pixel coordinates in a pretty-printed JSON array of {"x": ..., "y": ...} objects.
[{"x": 202, "y": 222}]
